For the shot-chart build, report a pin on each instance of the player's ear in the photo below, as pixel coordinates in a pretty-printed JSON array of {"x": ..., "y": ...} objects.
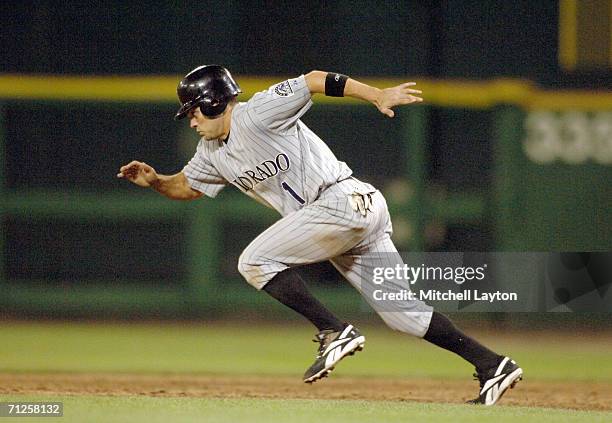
[{"x": 230, "y": 105}]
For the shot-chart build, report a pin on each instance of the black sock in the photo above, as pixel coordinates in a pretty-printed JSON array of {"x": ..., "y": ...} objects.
[
  {"x": 289, "y": 288},
  {"x": 443, "y": 333}
]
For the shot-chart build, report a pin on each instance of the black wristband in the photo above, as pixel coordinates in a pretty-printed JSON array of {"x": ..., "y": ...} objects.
[{"x": 334, "y": 84}]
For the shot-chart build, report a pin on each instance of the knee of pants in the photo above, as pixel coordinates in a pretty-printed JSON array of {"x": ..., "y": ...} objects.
[
  {"x": 248, "y": 269},
  {"x": 257, "y": 271}
]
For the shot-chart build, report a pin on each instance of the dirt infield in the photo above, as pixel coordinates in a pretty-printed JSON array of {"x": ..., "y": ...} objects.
[{"x": 575, "y": 395}]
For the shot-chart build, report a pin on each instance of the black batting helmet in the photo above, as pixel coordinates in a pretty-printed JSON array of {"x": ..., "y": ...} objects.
[{"x": 210, "y": 87}]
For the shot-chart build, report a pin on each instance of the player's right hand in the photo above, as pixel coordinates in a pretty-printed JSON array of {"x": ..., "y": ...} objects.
[{"x": 139, "y": 173}]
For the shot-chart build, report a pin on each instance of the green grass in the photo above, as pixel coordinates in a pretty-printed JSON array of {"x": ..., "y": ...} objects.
[
  {"x": 256, "y": 348},
  {"x": 145, "y": 409},
  {"x": 263, "y": 349}
]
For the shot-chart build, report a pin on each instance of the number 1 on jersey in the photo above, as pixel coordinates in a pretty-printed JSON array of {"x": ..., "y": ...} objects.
[{"x": 294, "y": 194}]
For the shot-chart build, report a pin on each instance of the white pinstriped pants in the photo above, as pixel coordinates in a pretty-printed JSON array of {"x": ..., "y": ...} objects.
[{"x": 329, "y": 229}]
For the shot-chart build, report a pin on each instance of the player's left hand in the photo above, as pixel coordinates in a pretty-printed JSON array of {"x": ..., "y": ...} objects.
[{"x": 396, "y": 96}]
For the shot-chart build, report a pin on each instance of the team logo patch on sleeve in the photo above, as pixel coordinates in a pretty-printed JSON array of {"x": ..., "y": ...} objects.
[{"x": 283, "y": 89}]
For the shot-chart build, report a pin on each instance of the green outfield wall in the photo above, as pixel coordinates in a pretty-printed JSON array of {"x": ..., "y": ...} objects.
[{"x": 496, "y": 165}]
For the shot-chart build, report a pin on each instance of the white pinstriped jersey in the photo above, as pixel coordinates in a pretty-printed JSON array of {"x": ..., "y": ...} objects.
[
  {"x": 270, "y": 155},
  {"x": 274, "y": 158}
]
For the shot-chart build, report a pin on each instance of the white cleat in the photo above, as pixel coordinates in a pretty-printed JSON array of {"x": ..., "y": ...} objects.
[
  {"x": 334, "y": 346},
  {"x": 495, "y": 381}
]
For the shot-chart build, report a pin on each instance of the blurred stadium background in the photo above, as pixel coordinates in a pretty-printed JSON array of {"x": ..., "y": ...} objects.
[{"x": 511, "y": 152}]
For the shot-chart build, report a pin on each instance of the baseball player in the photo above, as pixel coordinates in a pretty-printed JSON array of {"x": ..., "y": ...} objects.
[{"x": 263, "y": 149}]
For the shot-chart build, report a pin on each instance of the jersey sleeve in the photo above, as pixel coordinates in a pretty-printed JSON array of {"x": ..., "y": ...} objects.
[
  {"x": 202, "y": 175},
  {"x": 280, "y": 107}
]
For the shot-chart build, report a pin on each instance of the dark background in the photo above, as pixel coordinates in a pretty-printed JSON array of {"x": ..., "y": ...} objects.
[
  {"x": 77, "y": 146},
  {"x": 466, "y": 39}
]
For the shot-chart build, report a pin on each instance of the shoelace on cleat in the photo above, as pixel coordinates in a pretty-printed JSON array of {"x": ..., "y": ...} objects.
[
  {"x": 480, "y": 378},
  {"x": 322, "y": 338}
]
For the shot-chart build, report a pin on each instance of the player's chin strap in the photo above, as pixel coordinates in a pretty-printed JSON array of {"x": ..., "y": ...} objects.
[{"x": 361, "y": 202}]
